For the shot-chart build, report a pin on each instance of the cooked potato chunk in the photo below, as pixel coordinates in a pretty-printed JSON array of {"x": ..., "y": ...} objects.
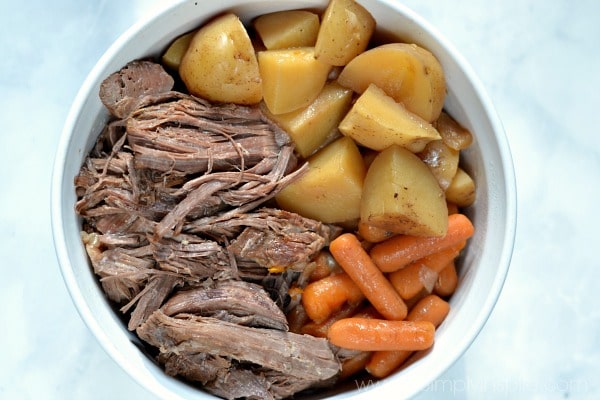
[
  {"x": 345, "y": 32},
  {"x": 220, "y": 64},
  {"x": 290, "y": 28},
  {"x": 453, "y": 134},
  {"x": 406, "y": 72},
  {"x": 461, "y": 190},
  {"x": 401, "y": 195},
  {"x": 441, "y": 160},
  {"x": 376, "y": 121},
  {"x": 292, "y": 78},
  {"x": 172, "y": 57},
  {"x": 330, "y": 190},
  {"x": 311, "y": 127}
]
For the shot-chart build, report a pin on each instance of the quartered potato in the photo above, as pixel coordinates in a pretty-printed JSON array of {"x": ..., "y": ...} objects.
[
  {"x": 311, "y": 127},
  {"x": 220, "y": 64},
  {"x": 291, "y": 78},
  {"x": 408, "y": 73},
  {"x": 345, "y": 32},
  {"x": 376, "y": 121},
  {"x": 172, "y": 57},
  {"x": 453, "y": 134},
  {"x": 462, "y": 189},
  {"x": 331, "y": 189},
  {"x": 401, "y": 195},
  {"x": 290, "y": 28},
  {"x": 442, "y": 160}
]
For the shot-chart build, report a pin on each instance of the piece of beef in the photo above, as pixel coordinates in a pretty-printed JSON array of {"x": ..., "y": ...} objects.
[
  {"x": 142, "y": 274},
  {"x": 281, "y": 242},
  {"x": 245, "y": 190},
  {"x": 240, "y": 383},
  {"x": 188, "y": 134},
  {"x": 269, "y": 237},
  {"x": 121, "y": 91},
  {"x": 123, "y": 272},
  {"x": 150, "y": 298},
  {"x": 194, "y": 258},
  {"x": 197, "y": 367},
  {"x": 300, "y": 357},
  {"x": 247, "y": 302}
]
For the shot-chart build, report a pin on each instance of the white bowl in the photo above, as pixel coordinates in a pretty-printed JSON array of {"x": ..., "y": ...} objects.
[{"x": 482, "y": 271}]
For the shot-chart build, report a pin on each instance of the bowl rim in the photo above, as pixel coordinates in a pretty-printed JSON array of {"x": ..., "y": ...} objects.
[{"x": 59, "y": 235}]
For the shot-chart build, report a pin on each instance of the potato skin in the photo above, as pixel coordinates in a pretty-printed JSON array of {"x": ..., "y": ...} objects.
[
  {"x": 314, "y": 126},
  {"x": 408, "y": 73},
  {"x": 401, "y": 195},
  {"x": 462, "y": 189},
  {"x": 377, "y": 121},
  {"x": 442, "y": 160},
  {"x": 345, "y": 32},
  {"x": 220, "y": 64}
]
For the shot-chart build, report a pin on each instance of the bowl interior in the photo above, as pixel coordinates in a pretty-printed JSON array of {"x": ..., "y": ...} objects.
[{"x": 482, "y": 270}]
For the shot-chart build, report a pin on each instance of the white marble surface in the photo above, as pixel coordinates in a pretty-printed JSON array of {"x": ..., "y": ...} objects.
[{"x": 539, "y": 61}]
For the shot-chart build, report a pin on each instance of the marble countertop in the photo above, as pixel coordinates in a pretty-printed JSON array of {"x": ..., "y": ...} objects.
[{"x": 539, "y": 62}]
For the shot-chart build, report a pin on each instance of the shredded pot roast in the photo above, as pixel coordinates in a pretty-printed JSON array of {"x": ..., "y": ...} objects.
[{"x": 178, "y": 224}]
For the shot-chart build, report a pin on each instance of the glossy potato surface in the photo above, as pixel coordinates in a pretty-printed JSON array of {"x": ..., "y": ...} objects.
[
  {"x": 377, "y": 121},
  {"x": 291, "y": 78},
  {"x": 331, "y": 189},
  {"x": 345, "y": 32},
  {"x": 401, "y": 195},
  {"x": 220, "y": 64},
  {"x": 408, "y": 73},
  {"x": 289, "y": 28}
]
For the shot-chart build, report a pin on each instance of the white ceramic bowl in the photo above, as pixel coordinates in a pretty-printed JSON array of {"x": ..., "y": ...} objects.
[{"x": 482, "y": 271}]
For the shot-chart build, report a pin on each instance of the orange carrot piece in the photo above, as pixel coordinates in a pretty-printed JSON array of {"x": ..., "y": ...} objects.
[
  {"x": 383, "y": 363},
  {"x": 447, "y": 281},
  {"x": 319, "y": 329},
  {"x": 353, "y": 259},
  {"x": 323, "y": 297},
  {"x": 373, "y": 234},
  {"x": 423, "y": 273},
  {"x": 432, "y": 309},
  {"x": 368, "y": 334},
  {"x": 400, "y": 250}
]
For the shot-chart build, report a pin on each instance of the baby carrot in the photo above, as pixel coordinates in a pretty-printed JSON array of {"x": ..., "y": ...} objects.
[
  {"x": 368, "y": 334},
  {"x": 323, "y": 297},
  {"x": 447, "y": 281},
  {"x": 432, "y": 309},
  {"x": 353, "y": 259},
  {"x": 319, "y": 329},
  {"x": 423, "y": 273},
  {"x": 400, "y": 250}
]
